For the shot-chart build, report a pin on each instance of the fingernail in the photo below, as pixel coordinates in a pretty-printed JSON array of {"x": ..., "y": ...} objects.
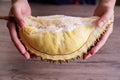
[
  {"x": 101, "y": 24},
  {"x": 27, "y": 56}
]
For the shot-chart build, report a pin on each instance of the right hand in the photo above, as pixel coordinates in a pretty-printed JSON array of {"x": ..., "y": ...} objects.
[{"x": 106, "y": 13}]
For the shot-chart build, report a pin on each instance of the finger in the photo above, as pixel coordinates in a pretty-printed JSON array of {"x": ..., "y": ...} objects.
[
  {"x": 99, "y": 44},
  {"x": 102, "y": 40},
  {"x": 15, "y": 39},
  {"x": 19, "y": 17},
  {"x": 87, "y": 55},
  {"x": 105, "y": 18}
]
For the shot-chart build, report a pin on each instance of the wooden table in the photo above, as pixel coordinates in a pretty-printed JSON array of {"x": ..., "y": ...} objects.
[{"x": 105, "y": 65}]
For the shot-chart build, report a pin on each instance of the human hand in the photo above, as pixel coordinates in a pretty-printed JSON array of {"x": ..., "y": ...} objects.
[
  {"x": 105, "y": 12},
  {"x": 19, "y": 9},
  {"x": 100, "y": 43}
]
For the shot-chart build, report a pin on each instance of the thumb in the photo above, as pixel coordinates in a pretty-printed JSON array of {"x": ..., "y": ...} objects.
[
  {"x": 107, "y": 16},
  {"x": 103, "y": 20}
]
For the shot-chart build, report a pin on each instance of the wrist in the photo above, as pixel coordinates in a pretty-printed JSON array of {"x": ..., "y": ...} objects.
[
  {"x": 14, "y": 1},
  {"x": 107, "y": 3}
]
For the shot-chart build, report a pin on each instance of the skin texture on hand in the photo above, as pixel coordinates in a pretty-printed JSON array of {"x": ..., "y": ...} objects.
[{"x": 19, "y": 9}]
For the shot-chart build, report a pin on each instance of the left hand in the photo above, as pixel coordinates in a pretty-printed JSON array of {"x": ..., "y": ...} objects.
[
  {"x": 105, "y": 13},
  {"x": 19, "y": 10}
]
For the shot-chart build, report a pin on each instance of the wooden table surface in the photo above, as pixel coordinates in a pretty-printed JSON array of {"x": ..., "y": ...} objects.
[{"x": 105, "y": 65}]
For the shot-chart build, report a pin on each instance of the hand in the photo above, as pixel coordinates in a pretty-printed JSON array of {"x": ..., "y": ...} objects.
[
  {"x": 99, "y": 44},
  {"x": 19, "y": 9},
  {"x": 105, "y": 13}
]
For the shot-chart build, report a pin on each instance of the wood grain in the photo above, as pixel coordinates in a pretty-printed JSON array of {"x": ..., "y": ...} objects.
[{"x": 105, "y": 65}]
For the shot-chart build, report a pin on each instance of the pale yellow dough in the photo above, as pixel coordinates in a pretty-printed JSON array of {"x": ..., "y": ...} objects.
[{"x": 60, "y": 37}]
